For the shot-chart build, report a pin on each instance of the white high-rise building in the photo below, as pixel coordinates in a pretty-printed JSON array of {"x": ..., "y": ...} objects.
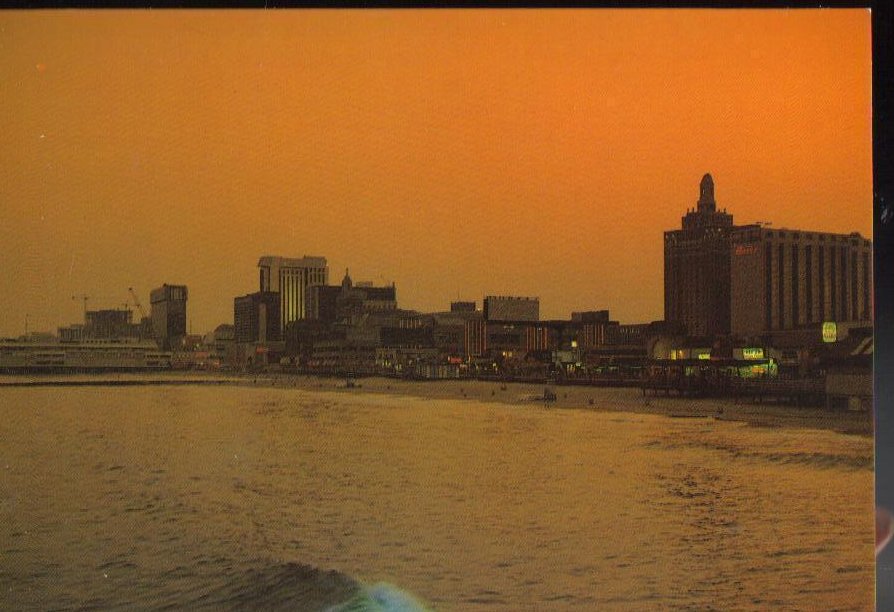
[{"x": 291, "y": 277}]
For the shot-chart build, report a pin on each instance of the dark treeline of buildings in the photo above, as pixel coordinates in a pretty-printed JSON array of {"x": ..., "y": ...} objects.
[
  {"x": 745, "y": 301},
  {"x": 756, "y": 300},
  {"x": 358, "y": 328}
]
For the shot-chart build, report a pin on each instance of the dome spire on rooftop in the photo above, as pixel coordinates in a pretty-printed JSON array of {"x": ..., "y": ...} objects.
[{"x": 706, "y": 201}]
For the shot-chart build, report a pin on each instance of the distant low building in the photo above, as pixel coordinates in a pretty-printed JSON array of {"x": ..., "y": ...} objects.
[
  {"x": 110, "y": 324},
  {"x": 462, "y": 306},
  {"x": 71, "y": 333},
  {"x": 220, "y": 344},
  {"x": 511, "y": 308}
]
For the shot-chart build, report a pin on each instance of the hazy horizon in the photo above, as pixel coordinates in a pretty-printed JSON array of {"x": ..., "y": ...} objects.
[{"x": 456, "y": 153}]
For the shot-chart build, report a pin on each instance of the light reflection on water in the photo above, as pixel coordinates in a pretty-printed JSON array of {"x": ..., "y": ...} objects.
[{"x": 185, "y": 496}]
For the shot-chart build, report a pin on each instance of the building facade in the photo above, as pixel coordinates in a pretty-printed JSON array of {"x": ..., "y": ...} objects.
[
  {"x": 108, "y": 324},
  {"x": 256, "y": 318},
  {"x": 322, "y": 303},
  {"x": 168, "y": 314},
  {"x": 290, "y": 278},
  {"x": 330, "y": 303},
  {"x": 783, "y": 279},
  {"x": 462, "y": 306},
  {"x": 510, "y": 308},
  {"x": 697, "y": 267}
]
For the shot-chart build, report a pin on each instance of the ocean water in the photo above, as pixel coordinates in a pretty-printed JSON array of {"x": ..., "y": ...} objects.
[{"x": 243, "y": 498}]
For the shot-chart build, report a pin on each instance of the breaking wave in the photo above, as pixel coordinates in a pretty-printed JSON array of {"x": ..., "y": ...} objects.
[{"x": 294, "y": 586}]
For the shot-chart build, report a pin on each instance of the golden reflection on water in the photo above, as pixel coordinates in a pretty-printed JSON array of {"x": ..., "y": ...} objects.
[{"x": 138, "y": 495}]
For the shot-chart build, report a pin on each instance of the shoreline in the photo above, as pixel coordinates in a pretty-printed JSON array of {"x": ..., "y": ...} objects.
[{"x": 602, "y": 399}]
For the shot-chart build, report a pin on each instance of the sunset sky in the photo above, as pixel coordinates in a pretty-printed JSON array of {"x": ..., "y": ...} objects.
[{"x": 457, "y": 153}]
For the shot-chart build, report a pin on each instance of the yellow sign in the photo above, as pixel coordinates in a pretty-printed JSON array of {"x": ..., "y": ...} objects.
[
  {"x": 704, "y": 355},
  {"x": 830, "y": 331},
  {"x": 752, "y": 353}
]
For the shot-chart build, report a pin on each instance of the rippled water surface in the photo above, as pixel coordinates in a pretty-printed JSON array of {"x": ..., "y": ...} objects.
[{"x": 226, "y": 497}]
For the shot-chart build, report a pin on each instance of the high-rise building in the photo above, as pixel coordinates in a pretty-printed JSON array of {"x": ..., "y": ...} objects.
[
  {"x": 785, "y": 279},
  {"x": 290, "y": 278},
  {"x": 510, "y": 308},
  {"x": 256, "y": 317},
  {"x": 697, "y": 267},
  {"x": 168, "y": 314}
]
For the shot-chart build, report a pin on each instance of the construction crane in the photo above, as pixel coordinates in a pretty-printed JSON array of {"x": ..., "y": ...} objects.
[
  {"x": 145, "y": 322},
  {"x": 83, "y": 297},
  {"x": 136, "y": 302}
]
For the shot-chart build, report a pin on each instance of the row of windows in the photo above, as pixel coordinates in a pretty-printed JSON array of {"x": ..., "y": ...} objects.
[
  {"x": 853, "y": 239},
  {"x": 842, "y": 278}
]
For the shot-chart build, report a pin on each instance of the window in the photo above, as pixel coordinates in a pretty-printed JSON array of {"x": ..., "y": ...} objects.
[
  {"x": 796, "y": 314},
  {"x": 781, "y": 278}
]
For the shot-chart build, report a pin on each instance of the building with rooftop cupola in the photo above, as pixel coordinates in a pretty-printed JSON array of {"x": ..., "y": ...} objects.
[
  {"x": 697, "y": 267},
  {"x": 755, "y": 281},
  {"x": 331, "y": 303}
]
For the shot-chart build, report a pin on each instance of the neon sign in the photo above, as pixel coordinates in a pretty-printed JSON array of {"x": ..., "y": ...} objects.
[
  {"x": 752, "y": 353},
  {"x": 830, "y": 331}
]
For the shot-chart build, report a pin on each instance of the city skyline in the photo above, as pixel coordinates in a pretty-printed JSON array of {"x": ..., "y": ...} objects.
[{"x": 456, "y": 153}]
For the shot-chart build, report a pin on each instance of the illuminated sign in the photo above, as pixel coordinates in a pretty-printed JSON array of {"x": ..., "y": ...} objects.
[
  {"x": 830, "y": 331},
  {"x": 704, "y": 355},
  {"x": 746, "y": 249},
  {"x": 752, "y": 353}
]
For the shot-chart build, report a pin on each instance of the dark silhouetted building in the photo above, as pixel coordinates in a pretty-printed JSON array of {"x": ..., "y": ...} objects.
[
  {"x": 109, "y": 324},
  {"x": 256, "y": 317},
  {"x": 697, "y": 267},
  {"x": 168, "y": 314},
  {"x": 462, "y": 306},
  {"x": 322, "y": 303},
  {"x": 784, "y": 279},
  {"x": 510, "y": 308},
  {"x": 329, "y": 303}
]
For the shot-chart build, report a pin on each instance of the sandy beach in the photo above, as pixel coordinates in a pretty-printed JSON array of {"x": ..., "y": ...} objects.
[{"x": 607, "y": 399}]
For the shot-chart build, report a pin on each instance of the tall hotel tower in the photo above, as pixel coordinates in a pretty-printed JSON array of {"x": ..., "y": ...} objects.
[
  {"x": 290, "y": 277},
  {"x": 697, "y": 267}
]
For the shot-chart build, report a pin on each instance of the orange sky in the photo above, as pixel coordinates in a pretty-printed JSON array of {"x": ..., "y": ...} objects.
[{"x": 457, "y": 153}]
